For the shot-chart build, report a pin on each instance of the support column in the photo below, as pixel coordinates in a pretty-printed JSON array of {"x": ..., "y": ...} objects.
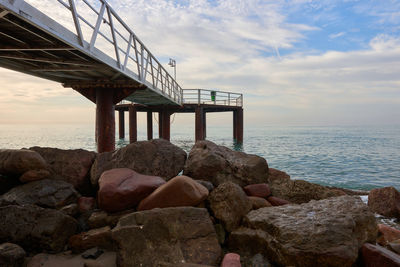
[
  {"x": 166, "y": 125},
  {"x": 149, "y": 125},
  {"x": 204, "y": 124},
  {"x": 132, "y": 124},
  {"x": 105, "y": 120},
  {"x": 199, "y": 124},
  {"x": 121, "y": 122},
  {"x": 160, "y": 121},
  {"x": 234, "y": 125},
  {"x": 239, "y": 126}
]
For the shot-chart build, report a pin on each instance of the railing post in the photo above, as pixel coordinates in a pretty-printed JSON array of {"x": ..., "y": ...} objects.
[{"x": 229, "y": 99}]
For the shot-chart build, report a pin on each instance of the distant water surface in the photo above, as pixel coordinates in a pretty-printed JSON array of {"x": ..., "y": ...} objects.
[{"x": 351, "y": 157}]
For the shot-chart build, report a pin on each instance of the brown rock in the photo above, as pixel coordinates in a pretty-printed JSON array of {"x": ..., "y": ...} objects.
[
  {"x": 258, "y": 202},
  {"x": 219, "y": 164},
  {"x": 121, "y": 189},
  {"x": 277, "y": 176},
  {"x": 374, "y": 256},
  {"x": 100, "y": 237},
  {"x": 257, "y": 190},
  {"x": 394, "y": 246},
  {"x": 276, "y": 201},
  {"x": 70, "y": 210},
  {"x": 387, "y": 234},
  {"x": 101, "y": 218},
  {"x": 385, "y": 201},
  {"x": 157, "y": 157},
  {"x": 86, "y": 203},
  {"x": 229, "y": 204},
  {"x": 231, "y": 260},
  {"x": 72, "y": 165},
  {"x": 179, "y": 191},
  {"x": 170, "y": 235},
  {"x": 34, "y": 175},
  {"x": 11, "y": 255}
]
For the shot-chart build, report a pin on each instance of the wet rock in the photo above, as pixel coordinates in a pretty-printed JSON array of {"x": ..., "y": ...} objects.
[
  {"x": 219, "y": 164},
  {"x": 229, "y": 203},
  {"x": 231, "y": 260},
  {"x": 72, "y": 165},
  {"x": 328, "y": 232},
  {"x": 45, "y": 193},
  {"x": 257, "y": 190},
  {"x": 121, "y": 189},
  {"x": 35, "y": 228},
  {"x": 276, "y": 201},
  {"x": 258, "y": 202},
  {"x": 179, "y": 191},
  {"x": 11, "y": 255},
  {"x": 86, "y": 204},
  {"x": 170, "y": 235},
  {"x": 385, "y": 201},
  {"x": 378, "y": 256},
  {"x": 157, "y": 157},
  {"x": 387, "y": 234},
  {"x": 101, "y": 218},
  {"x": 100, "y": 237}
]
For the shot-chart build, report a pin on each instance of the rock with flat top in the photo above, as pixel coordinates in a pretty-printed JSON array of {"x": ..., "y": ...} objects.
[{"x": 385, "y": 201}]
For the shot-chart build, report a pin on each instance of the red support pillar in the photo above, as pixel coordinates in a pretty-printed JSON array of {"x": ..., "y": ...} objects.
[
  {"x": 166, "y": 125},
  {"x": 105, "y": 120},
  {"x": 160, "y": 121},
  {"x": 234, "y": 125},
  {"x": 239, "y": 126},
  {"x": 199, "y": 124},
  {"x": 132, "y": 124},
  {"x": 121, "y": 122},
  {"x": 149, "y": 125}
]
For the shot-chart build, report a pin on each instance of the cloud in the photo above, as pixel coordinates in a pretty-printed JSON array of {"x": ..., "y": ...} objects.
[{"x": 336, "y": 35}]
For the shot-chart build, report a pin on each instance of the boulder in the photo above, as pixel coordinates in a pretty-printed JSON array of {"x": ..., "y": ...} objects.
[
  {"x": 121, "y": 189},
  {"x": 327, "y": 232},
  {"x": 219, "y": 164},
  {"x": 394, "y": 246},
  {"x": 257, "y": 190},
  {"x": 11, "y": 255},
  {"x": 385, "y": 201},
  {"x": 277, "y": 176},
  {"x": 229, "y": 203},
  {"x": 157, "y": 157},
  {"x": 231, "y": 260},
  {"x": 16, "y": 162},
  {"x": 35, "y": 228},
  {"x": 71, "y": 165},
  {"x": 258, "y": 202},
  {"x": 46, "y": 193},
  {"x": 387, "y": 234},
  {"x": 100, "y": 237},
  {"x": 276, "y": 201},
  {"x": 179, "y": 191},
  {"x": 101, "y": 218},
  {"x": 86, "y": 204},
  {"x": 206, "y": 184},
  {"x": 170, "y": 235},
  {"x": 374, "y": 256}
]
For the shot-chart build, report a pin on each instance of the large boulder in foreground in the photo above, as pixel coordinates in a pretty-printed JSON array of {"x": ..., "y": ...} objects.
[
  {"x": 35, "y": 228},
  {"x": 219, "y": 164},
  {"x": 328, "y": 232},
  {"x": 121, "y": 189},
  {"x": 385, "y": 201},
  {"x": 157, "y": 157},
  {"x": 45, "y": 193},
  {"x": 72, "y": 165},
  {"x": 169, "y": 235}
]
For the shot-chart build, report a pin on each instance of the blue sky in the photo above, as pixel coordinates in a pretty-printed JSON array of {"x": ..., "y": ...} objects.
[{"x": 298, "y": 62}]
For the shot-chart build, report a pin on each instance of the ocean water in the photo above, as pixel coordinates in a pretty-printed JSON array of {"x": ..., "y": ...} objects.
[{"x": 351, "y": 157}]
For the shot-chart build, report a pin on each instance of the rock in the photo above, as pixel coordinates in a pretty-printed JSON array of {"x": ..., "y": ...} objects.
[
  {"x": 167, "y": 264},
  {"x": 327, "y": 232},
  {"x": 70, "y": 210},
  {"x": 36, "y": 228},
  {"x": 385, "y": 201},
  {"x": 218, "y": 164},
  {"x": 16, "y": 162},
  {"x": 171, "y": 235},
  {"x": 257, "y": 190},
  {"x": 86, "y": 204},
  {"x": 387, "y": 234},
  {"x": 72, "y": 165},
  {"x": 258, "y": 202},
  {"x": 179, "y": 191},
  {"x": 277, "y": 176},
  {"x": 157, "y": 157},
  {"x": 121, "y": 189},
  {"x": 46, "y": 193},
  {"x": 100, "y": 237},
  {"x": 229, "y": 204},
  {"x": 206, "y": 184},
  {"x": 11, "y": 255},
  {"x": 257, "y": 260},
  {"x": 276, "y": 201},
  {"x": 394, "y": 246},
  {"x": 34, "y": 175},
  {"x": 101, "y": 218},
  {"x": 231, "y": 260},
  {"x": 6, "y": 183},
  {"x": 378, "y": 256},
  {"x": 299, "y": 191},
  {"x": 221, "y": 234}
]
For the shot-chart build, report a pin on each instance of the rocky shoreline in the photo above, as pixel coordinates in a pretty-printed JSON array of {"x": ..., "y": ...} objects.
[{"x": 151, "y": 204}]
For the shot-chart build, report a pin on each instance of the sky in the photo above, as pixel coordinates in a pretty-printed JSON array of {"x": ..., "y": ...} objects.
[{"x": 297, "y": 62}]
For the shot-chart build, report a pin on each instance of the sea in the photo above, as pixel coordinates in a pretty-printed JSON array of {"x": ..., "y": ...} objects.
[{"x": 354, "y": 157}]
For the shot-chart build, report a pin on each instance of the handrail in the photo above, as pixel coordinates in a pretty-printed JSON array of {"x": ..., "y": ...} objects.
[{"x": 212, "y": 97}]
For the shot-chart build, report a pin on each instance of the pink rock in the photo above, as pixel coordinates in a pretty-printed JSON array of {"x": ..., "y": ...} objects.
[
  {"x": 374, "y": 256},
  {"x": 34, "y": 175},
  {"x": 231, "y": 260},
  {"x": 121, "y": 189},
  {"x": 86, "y": 204},
  {"x": 276, "y": 201},
  {"x": 385, "y": 201},
  {"x": 257, "y": 190},
  {"x": 179, "y": 191},
  {"x": 387, "y": 234}
]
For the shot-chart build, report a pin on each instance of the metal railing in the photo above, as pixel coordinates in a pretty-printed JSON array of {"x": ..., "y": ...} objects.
[{"x": 212, "y": 97}]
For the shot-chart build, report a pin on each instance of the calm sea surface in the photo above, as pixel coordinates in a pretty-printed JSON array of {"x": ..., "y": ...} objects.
[{"x": 351, "y": 157}]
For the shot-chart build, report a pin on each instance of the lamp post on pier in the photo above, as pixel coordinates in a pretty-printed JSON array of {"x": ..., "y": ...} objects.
[{"x": 172, "y": 63}]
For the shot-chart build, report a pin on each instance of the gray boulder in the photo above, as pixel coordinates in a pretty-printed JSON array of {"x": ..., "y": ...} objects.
[
  {"x": 219, "y": 164},
  {"x": 328, "y": 232},
  {"x": 169, "y": 235},
  {"x": 157, "y": 157}
]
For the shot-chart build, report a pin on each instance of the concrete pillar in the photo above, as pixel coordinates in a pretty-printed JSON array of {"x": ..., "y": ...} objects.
[
  {"x": 199, "y": 124},
  {"x": 205, "y": 124},
  {"x": 132, "y": 124},
  {"x": 121, "y": 122},
  {"x": 166, "y": 125},
  {"x": 234, "y": 125},
  {"x": 239, "y": 126},
  {"x": 160, "y": 121},
  {"x": 149, "y": 125},
  {"x": 105, "y": 120}
]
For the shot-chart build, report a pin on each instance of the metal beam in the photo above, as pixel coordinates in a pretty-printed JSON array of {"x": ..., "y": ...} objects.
[
  {"x": 34, "y": 48},
  {"x": 48, "y": 60},
  {"x": 3, "y": 13}
]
